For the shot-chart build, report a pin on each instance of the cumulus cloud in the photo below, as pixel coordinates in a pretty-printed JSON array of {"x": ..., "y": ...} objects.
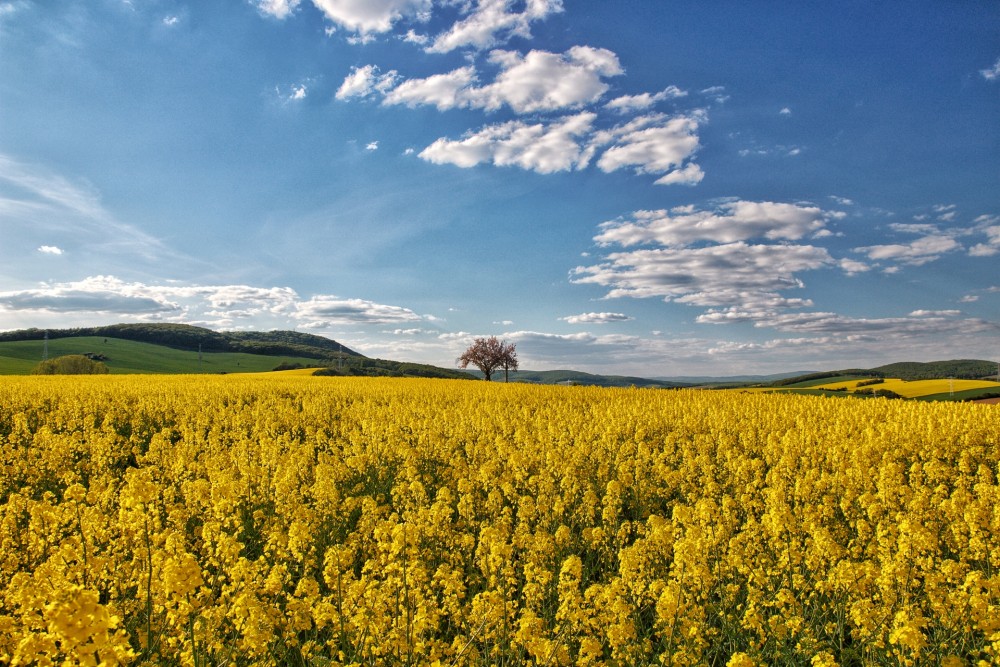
[
  {"x": 334, "y": 310},
  {"x": 726, "y": 223},
  {"x": 641, "y": 102},
  {"x": 735, "y": 259},
  {"x": 538, "y": 81},
  {"x": 916, "y": 253},
  {"x": 372, "y": 16},
  {"x": 596, "y": 318},
  {"x": 443, "y": 91},
  {"x": 279, "y": 9},
  {"x": 365, "y": 81},
  {"x": 222, "y": 305},
  {"x": 992, "y": 231},
  {"x": 101, "y": 294},
  {"x": 726, "y": 274},
  {"x": 653, "y": 144},
  {"x": 50, "y": 250},
  {"x": 542, "y": 147},
  {"x": 489, "y": 22}
]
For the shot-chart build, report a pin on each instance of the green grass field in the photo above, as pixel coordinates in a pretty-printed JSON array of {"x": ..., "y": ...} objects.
[{"x": 125, "y": 356}]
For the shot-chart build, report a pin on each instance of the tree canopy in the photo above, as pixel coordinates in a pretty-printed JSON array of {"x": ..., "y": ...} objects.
[
  {"x": 489, "y": 355},
  {"x": 71, "y": 364}
]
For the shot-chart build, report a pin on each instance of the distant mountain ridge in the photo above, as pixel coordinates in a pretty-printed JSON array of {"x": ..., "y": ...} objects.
[{"x": 189, "y": 337}]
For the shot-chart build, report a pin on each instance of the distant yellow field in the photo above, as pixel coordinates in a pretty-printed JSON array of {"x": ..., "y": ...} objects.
[{"x": 917, "y": 388}]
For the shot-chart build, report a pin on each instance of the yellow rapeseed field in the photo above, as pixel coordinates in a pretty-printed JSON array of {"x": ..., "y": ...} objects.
[
  {"x": 916, "y": 388},
  {"x": 346, "y": 521}
]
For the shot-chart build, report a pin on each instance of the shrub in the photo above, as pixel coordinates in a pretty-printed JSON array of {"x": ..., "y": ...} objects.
[{"x": 71, "y": 364}]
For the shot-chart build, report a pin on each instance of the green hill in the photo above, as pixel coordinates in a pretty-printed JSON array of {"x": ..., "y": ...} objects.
[
  {"x": 965, "y": 369},
  {"x": 179, "y": 348},
  {"x": 192, "y": 338},
  {"x": 128, "y": 356}
]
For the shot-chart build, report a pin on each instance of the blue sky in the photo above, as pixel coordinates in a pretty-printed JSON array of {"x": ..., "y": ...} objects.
[{"x": 652, "y": 188}]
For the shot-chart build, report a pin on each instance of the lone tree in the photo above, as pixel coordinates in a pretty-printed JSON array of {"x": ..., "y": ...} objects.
[{"x": 489, "y": 355}]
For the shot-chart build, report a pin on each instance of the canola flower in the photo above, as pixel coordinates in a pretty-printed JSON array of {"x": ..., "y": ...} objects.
[{"x": 351, "y": 521}]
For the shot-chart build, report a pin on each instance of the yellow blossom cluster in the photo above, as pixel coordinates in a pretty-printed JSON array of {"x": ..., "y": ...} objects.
[{"x": 352, "y": 521}]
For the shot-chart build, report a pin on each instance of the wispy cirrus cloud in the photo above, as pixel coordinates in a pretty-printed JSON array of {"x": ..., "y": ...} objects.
[{"x": 38, "y": 202}]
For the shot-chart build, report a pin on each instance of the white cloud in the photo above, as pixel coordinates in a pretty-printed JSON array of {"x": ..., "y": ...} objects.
[
  {"x": 641, "y": 102},
  {"x": 538, "y": 81},
  {"x": 489, "y": 19},
  {"x": 333, "y": 310},
  {"x": 544, "y": 81},
  {"x": 279, "y": 9},
  {"x": 222, "y": 305},
  {"x": 372, "y": 16},
  {"x": 992, "y": 245},
  {"x": 852, "y": 267},
  {"x": 984, "y": 250},
  {"x": 916, "y": 253},
  {"x": 716, "y": 93},
  {"x": 935, "y": 313},
  {"x": 299, "y": 92},
  {"x": 372, "y": 146},
  {"x": 690, "y": 174},
  {"x": 969, "y": 298},
  {"x": 596, "y": 318},
  {"x": 100, "y": 294},
  {"x": 785, "y": 111},
  {"x": 171, "y": 20},
  {"x": 729, "y": 274},
  {"x": 545, "y": 148},
  {"x": 727, "y": 223},
  {"x": 907, "y": 228},
  {"x": 364, "y": 81},
  {"x": 443, "y": 91},
  {"x": 991, "y": 73},
  {"x": 653, "y": 144},
  {"x": 918, "y": 323},
  {"x": 50, "y": 250}
]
